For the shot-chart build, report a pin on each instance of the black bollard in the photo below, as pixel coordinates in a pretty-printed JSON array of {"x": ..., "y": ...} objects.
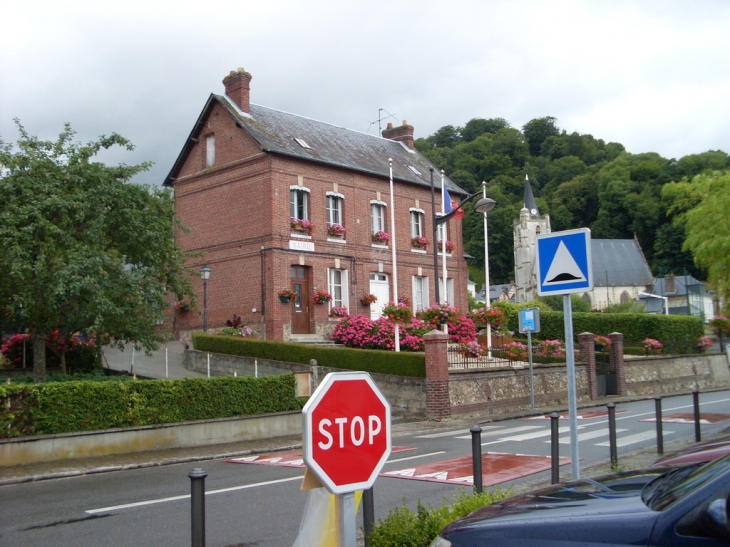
[
  {"x": 368, "y": 513},
  {"x": 555, "y": 447},
  {"x": 612, "y": 434},
  {"x": 476, "y": 454},
  {"x": 197, "y": 506},
  {"x": 659, "y": 432},
  {"x": 696, "y": 400}
]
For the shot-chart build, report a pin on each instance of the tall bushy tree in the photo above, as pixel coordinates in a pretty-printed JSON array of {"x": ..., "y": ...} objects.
[{"x": 82, "y": 247}]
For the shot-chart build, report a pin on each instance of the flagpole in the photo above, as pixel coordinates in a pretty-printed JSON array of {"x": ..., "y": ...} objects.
[
  {"x": 486, "y": 276},
  {"x": 396, "y": 328},
  {"x": 443, "y": 233}
]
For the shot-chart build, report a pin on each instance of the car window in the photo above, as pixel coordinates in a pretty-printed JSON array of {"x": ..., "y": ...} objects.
[
  {"x": 707, "y": 519},
  {"x": 665, "y": 490}
]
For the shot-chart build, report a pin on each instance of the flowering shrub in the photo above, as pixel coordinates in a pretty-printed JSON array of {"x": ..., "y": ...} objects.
[
  {"x": 471, "y": 349},
  {"x": 603, "y": 342},
  {"x": 399, "y": 313},
  {"x": 381, "y": 237},
  {"x": 336, "y": 230},
  {"x": 286, "y": 293},
  {"x": 461, "y": 328},
  {"x": 517, "y": 351},
  {"x": 404, "y": 300},
  {"x": 338, "y": 311},
  {"x": 651, "y": 345},
  {"x": 449, "y": 246},
  {"x": 368, "y": 299},
  {"x": 235, "y": 322},
  {"x": 302, "y": 225},
  {"x": 720, "y": 322},
  {"x": 358, "y": 331},
  {"x": 438, "y": 314},
  {"x": 321, "y": 297},
  {"x": 483, "y": 316},
  {"x": 704, "y": 343},
  {"x": 551, "y": 348},
  {"x": 78, "y": 353},
  {"x": 419, "y": 242}
]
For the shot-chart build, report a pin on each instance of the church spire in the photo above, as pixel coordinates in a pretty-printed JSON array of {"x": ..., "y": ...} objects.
[{"x": 529, "y": 199}]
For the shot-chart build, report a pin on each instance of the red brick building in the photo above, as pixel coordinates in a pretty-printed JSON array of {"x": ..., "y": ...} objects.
[{"x": 248, "y": 173}]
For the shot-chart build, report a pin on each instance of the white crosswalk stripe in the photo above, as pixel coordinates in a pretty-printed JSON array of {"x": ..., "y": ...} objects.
[
  {"x": 588, "y": 435},
  {"x": 633, "y": 439},
  {"x": 506, "y": 431}
]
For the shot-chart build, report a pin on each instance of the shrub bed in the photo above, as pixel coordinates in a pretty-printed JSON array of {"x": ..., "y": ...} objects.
[
  {"x": 375, "y": 361},
  {"x": 66, "y": 407}
]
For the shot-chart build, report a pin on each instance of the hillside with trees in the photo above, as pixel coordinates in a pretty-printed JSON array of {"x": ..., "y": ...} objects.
[{"x": 580, "y": 181}]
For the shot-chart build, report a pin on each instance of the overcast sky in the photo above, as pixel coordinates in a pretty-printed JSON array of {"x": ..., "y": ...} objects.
[{"x": 652, "y": 75}]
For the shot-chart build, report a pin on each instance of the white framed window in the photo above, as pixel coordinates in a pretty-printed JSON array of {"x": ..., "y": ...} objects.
[
  {"x": 377, "y": 216},
  {"x": 335, "y": 204},
  {"x": 337, "y": 287},
  {"x": 420, "y": 293},
  {"x": 210, "y": 151},
  {"x": 449, "y": 290},
  {"x": 299, "y": 202},
  {"x": 416, "y": 223}
]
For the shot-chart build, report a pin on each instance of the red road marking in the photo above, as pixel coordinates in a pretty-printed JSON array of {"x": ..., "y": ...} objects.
[
  {"x": 584, "y": 415},
  {"x": 496, "y": 468},
  {"x": 689, "y": 418},
  {"x": 289, "y": 458}
]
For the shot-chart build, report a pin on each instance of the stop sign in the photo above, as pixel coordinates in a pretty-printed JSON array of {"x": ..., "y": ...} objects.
[{"x": 346, "y": 431}]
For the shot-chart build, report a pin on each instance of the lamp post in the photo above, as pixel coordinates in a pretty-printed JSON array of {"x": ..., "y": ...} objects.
[
  {"x": 485, "y": 205},
  {"x": 205, "y": 275},
  {"x": 482, "y": 206}
]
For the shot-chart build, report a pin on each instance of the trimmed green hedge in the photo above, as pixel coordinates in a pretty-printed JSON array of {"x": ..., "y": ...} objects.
[
  {"x": 634, "y": 326},
  {"x": 67, "y": 407},
  {"x": 368, "y": 360}
]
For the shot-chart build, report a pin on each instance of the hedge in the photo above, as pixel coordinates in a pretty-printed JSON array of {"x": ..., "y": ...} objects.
[
  {"x": 634, "y": 326},
  {"x": 67, "y": 407},
  {"x": 368, "y": 360}
]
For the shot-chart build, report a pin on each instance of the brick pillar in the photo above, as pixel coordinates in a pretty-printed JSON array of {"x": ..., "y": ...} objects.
[
  {"x": 438, "y": 403},
  {"x": 616, "y": 362},
  {"x": 587, "y": 343}
]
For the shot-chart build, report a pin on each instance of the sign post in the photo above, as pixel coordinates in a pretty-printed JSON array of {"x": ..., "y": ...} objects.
[
  {"x": 346, "y": 425},
  {"x": 529, "y": 322},
  {"x": 564, "y": 266}
]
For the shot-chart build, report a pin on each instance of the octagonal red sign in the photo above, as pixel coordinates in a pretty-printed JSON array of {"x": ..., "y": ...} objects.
[{"x": 346, "y": 431}]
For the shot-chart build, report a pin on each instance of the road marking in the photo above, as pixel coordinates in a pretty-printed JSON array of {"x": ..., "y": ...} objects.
[
  {"x": 187, "y": 496},
  {"x": 449, "y": 433},
  {"x": 417, "y": 456},
  {"x": 587, "y": 435},
  {"x": 633, "y": 439},
  {"x": 507, "y": 431},
  {"x": 528, "y": 436}
]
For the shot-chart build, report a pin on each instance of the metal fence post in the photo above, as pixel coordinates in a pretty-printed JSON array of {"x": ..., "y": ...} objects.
[
  {"x": 368, "y": 513},
  {"x": 612, "y": 434},
  {"x": 696, "y": 400},
  {"x": 659, "y": 432},
  {"x": 197, "y": 506},
  {"x": 476, "y": 454},
  {"x": 555, "y": 447}
]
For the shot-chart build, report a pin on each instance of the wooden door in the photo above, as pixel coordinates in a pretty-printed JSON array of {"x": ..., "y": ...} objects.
[{"x": 299, "y": 277}]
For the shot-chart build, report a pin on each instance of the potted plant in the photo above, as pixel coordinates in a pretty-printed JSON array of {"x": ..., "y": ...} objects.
[
  {"x": 286, "y": 295},
  {"x": 483, "y": 316},
  {"x": 398, "y": 313},
  {"x": 338, "y": 311},
  {"x": 471, "y": 349},
  {"x": 303, "y": 225},
  {"x": 704, "y": 343},
  {"x": 336, "y": 230},
  {"x": 182, "y": 307},
  {"x": 368, "y": 299},
  {"x": 419, "y": 242},
  {"x": 449, "y": 246},
  {"x": 321, "y": 297},
  {"x": 652, "y": 346},
  {"x": 602, "y": 343},
  {"x": 381, "y": 237}
]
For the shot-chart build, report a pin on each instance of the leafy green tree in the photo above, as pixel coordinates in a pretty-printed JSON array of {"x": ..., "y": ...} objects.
[
  {"x": 478, "y": 126},
  {"x": 537, "y": 130},
  {"x": 83, "y": 248}
]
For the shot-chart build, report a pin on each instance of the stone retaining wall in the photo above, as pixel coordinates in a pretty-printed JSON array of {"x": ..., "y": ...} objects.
[{"x": 659, "y": 375}]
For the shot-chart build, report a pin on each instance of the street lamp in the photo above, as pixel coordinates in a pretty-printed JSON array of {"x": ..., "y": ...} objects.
[
  {"x": 485, "y": 205},
  {"x": 482, "y": 206},
  {"x": 205, "y": 275}
]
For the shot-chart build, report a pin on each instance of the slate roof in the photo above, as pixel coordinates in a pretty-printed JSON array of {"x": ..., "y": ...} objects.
[
  {"x": 680, "y": 285},
  {"x": 276, "y": 132},
  {"x": 618, "y": 263}
]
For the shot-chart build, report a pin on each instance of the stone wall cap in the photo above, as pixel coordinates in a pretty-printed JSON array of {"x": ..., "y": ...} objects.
[{"x": 435, "y": 335}]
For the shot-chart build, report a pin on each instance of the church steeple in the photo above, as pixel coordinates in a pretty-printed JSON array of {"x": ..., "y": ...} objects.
[{"x": 529, "y": 199}]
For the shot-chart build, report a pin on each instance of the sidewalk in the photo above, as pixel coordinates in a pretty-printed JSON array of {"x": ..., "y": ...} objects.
[{"x": 166, "y": 362}]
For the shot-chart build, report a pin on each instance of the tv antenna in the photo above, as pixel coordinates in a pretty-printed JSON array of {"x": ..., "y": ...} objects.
[{"x": 380, "y": 119}]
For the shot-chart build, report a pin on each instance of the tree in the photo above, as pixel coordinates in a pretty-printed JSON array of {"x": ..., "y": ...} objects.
[
  {"x": 83, "y": 248},
  {"x": 539, "y": 129},
  {"x": 708, "y": 228}
]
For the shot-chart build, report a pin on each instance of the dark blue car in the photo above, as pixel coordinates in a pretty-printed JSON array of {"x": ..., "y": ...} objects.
[{"x": 682, "y": 507}]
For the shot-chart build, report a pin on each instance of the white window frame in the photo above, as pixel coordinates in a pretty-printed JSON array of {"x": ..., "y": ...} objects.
[
  {"x": 335, "y": 208},
  {"x": 417, "y": 222},
  {"x": 339, "y": 297},
  {"x": 377, "y": 216},
  {"x": 420, "y": 293},
  {"x": 210, "y": 151},
  {"x": 297, "y": 194}
]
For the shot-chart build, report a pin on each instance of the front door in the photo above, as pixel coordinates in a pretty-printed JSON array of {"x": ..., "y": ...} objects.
[
  {"x": 299, "y": 277},
  {"x": 380, "y": 288}
]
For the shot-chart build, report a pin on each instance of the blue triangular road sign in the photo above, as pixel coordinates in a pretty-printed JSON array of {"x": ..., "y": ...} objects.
[{"x": 563, "y": 262}]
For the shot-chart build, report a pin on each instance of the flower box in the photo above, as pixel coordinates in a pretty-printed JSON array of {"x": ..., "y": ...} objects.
[
  {"x": 381, "y": 237},
  {"x": 336, "y": 231},
  {"x": 305, "y": 226}
]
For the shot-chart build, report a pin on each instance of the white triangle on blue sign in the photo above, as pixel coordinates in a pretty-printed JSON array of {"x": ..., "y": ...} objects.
[{"x": 563, "y": 269}]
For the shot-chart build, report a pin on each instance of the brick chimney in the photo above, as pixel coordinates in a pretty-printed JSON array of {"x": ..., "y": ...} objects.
[
  {"x": 237, "y": 88},
  {"x": 403, "y": 134}
]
